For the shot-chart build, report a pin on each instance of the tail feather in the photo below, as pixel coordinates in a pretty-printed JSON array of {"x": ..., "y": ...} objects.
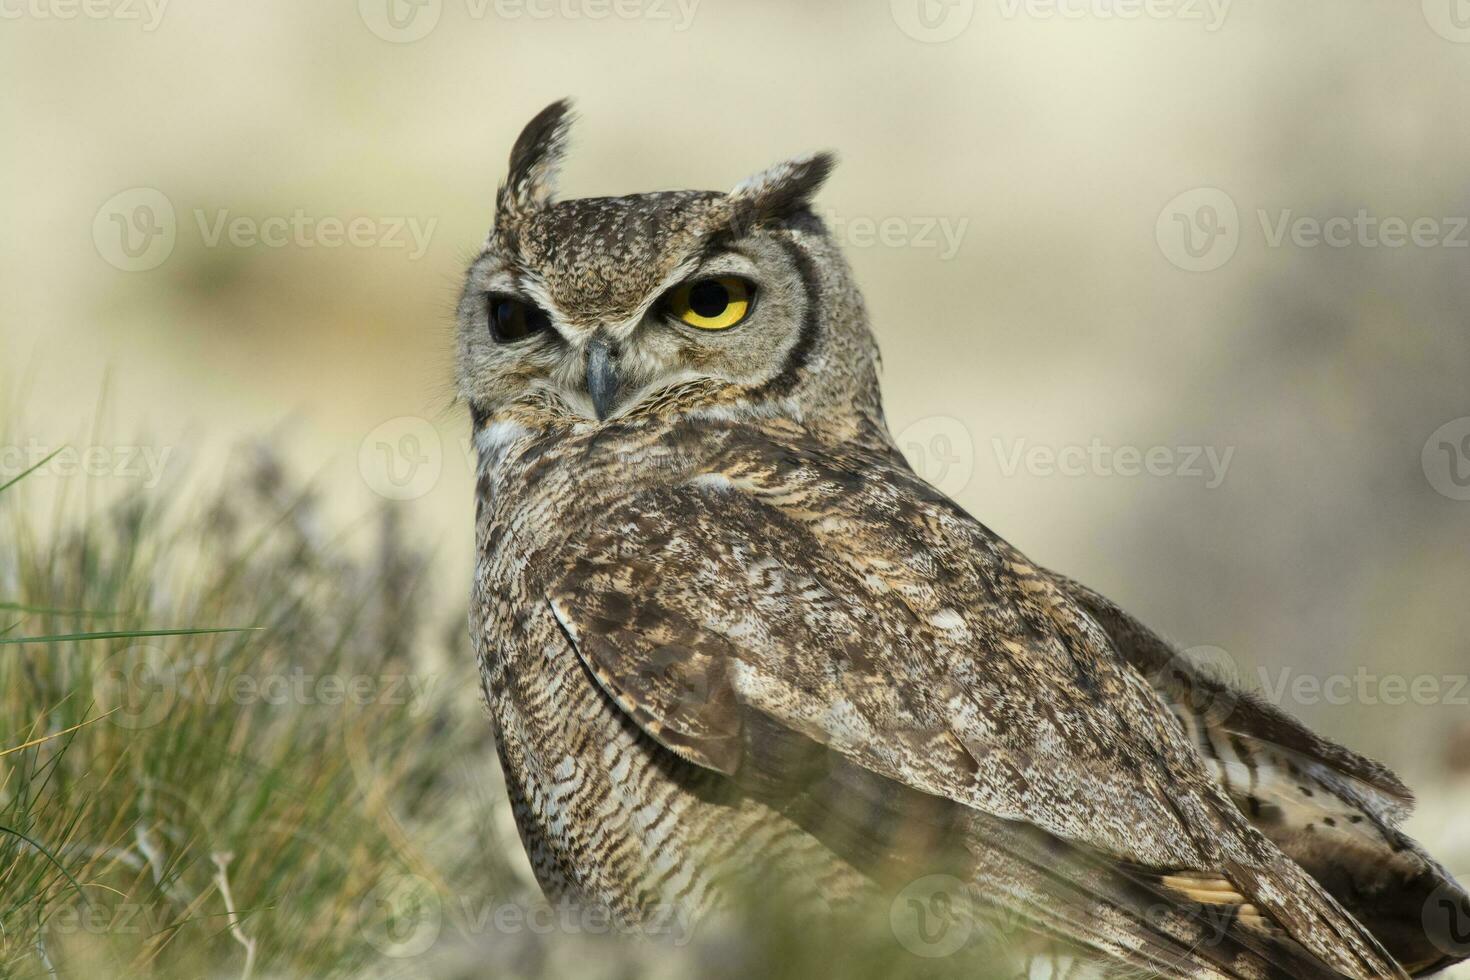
[
  {"x": 1023, "y": 882},
  {"x": 1137, "y": 919}
]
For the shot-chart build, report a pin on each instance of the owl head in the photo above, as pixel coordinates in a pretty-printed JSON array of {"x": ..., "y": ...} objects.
[{"x": 685, "y": 301}]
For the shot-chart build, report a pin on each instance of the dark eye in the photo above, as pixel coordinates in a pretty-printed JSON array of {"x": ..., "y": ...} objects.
[
  {"x": 712, "y": 304},
  {"x": 512, "y": 320}
]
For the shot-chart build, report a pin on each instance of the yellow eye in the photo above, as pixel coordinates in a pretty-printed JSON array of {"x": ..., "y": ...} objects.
[{"x": 712, "y": 304}]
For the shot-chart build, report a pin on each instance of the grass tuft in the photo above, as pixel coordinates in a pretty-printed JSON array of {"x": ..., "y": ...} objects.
[{"x": 212, "y": 799}]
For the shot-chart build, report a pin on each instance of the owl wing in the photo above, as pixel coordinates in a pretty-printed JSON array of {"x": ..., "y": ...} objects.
[
  {"x": 1332, "y": 811},
  {"x": 800, "y": 623}
]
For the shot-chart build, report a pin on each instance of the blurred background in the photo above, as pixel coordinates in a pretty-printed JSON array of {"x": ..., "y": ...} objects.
[{"x": 1173, "y": 296}]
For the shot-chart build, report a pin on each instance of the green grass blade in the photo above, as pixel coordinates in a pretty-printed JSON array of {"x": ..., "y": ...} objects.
[
  {"x": 52, "y": 858},
  {"x": 27, "y": 472},
  {"x": 119, "y": 635}
]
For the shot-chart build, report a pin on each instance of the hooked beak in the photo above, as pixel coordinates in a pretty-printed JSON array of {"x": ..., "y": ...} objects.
[{"x": 602, "y": 375}]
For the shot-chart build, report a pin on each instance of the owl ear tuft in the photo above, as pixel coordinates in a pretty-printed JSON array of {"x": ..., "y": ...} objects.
[
  {"x": 783, "y": 189},
  {"x": 535, "y": 160}
]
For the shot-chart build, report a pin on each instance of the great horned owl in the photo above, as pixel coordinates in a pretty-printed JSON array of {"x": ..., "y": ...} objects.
[{"x": 728, "y": 636}]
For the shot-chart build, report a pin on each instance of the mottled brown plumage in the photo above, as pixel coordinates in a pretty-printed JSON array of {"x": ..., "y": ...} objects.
[{"x": 728, "y": 637}]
